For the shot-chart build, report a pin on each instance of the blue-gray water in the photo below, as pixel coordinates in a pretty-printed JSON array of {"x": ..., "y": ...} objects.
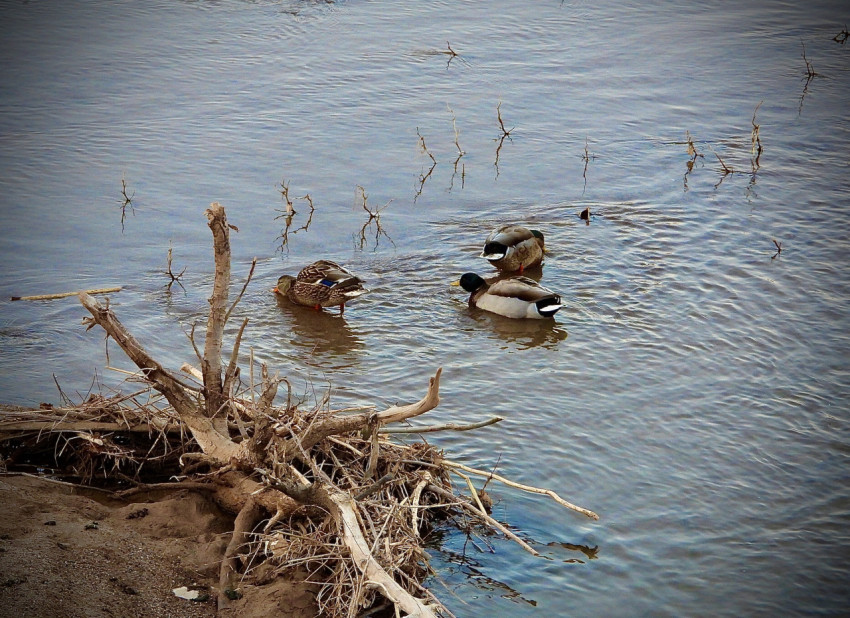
[{"x": 693, "y": 392}]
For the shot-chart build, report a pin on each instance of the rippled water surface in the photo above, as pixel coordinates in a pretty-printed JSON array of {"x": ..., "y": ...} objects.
[{"x": 693, "y": 391}]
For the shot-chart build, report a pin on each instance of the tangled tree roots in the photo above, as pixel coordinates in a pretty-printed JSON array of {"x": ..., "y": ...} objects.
[{"x": 321, "y": 491}]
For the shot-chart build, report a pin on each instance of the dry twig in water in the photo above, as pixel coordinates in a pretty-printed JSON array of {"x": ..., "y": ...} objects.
[
  {"x": 693, "y": 153},
  {"x": 424, "y": 176},
  {"x": 452, "y": 54},
  {"x": 808, "y": 77},
  {"x": 170, "y": 273},
  {"x": 506, "y": 133},
  {"x": 126, "y": 200},
  {"x": 586, "y": 157},
  {"x": 460, "y": 151},
  {"x": 284, "y": 193},
  {"x": 374, "y": 217},
  {"x": 288, "y": 218}
]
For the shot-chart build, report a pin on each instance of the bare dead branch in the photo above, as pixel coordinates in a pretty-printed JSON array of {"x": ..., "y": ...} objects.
[
  {"x": 211, "y": 367},
  {"x": 527, "y": 488},
  {"x": 446, "y": 427},
  {"x": 67, "y": 294},
  {"x": 245, "y": 522}
]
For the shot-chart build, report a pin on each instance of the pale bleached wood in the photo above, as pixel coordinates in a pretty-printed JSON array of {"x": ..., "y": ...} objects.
[
  {"x": 346, "y": 517},
  {"x": 217, "y": 446},
  {"x": 67, "y": 294},
  {"x": 355, "y": 422},
  {"x": 481, "y": 514},
  {"x": 528, "y": 488},
  {"x": 427, "y": 477},
  {"x": 248, "y": 516},
  {"x": 211, "y": 365},
  {"x": 447, "y": 427},
  {"x": 66, "y": 426}
]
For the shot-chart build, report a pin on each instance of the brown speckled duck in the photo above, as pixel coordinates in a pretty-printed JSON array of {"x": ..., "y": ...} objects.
[
  {"x": 513, "y": 248},
  {"x": 321, "y": 284}
]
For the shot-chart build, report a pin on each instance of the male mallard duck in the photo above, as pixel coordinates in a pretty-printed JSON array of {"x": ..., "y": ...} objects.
[
  {"x": 321, "y": 284},
  {"x": 515, "y": 297},
  {"x": 513, "y": 248}
]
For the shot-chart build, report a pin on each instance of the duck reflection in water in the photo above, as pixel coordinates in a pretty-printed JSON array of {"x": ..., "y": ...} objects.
[
  {"x": 321, "y": 334},
  {"x": 522, "y": 333}
]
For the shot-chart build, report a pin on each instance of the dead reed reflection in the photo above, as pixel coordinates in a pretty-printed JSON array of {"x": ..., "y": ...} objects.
[
  {"x": 808, "y": 77},
  {"x": 374, "y": 219},
  {"x": 505, "y": 133},
  {"x": 727, "y": 169},
  {"x": 422, "y": 175},
  {"x": 126, "y": 200},
  {"x": 586, "y": 157}
]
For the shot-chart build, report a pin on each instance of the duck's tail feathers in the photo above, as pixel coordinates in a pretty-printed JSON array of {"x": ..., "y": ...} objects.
[
  {"x": 494, "y": 251},
  {"x": 548, "y": 307}
]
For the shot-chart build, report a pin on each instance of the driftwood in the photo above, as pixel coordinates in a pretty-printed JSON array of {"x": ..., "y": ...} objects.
[
  {"x": 446, "y": 427},
  {"x": 244, "y": 457},
  {"x": 337, "y": 496},
  {"x": 66, "y": 294}
]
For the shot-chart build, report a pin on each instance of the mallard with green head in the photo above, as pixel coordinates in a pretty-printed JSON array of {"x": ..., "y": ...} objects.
[
  {"x": 514, "y": 297},
  {"x": 513, "y": 248},
  {"x": 321, "y": 284}
]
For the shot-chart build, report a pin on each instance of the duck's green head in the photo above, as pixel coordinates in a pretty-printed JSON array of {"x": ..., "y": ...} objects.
[
  {"x": 471, "y": 282},
  {"x": 538, "y": 235},
  {"x": 283, "y": 284}
]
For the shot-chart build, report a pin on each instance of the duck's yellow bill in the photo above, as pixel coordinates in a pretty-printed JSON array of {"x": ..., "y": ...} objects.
[{"x": 455, "y": 283}]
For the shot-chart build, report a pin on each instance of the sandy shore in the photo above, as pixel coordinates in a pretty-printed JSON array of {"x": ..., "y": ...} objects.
[{"x": 71, "y": 555}]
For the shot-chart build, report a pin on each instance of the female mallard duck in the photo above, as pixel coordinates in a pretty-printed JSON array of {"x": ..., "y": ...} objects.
[
  {"x": 321, "y": 284},
  {"x": 515, "y": 297},
  {"x": 513, "y": 248}
]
